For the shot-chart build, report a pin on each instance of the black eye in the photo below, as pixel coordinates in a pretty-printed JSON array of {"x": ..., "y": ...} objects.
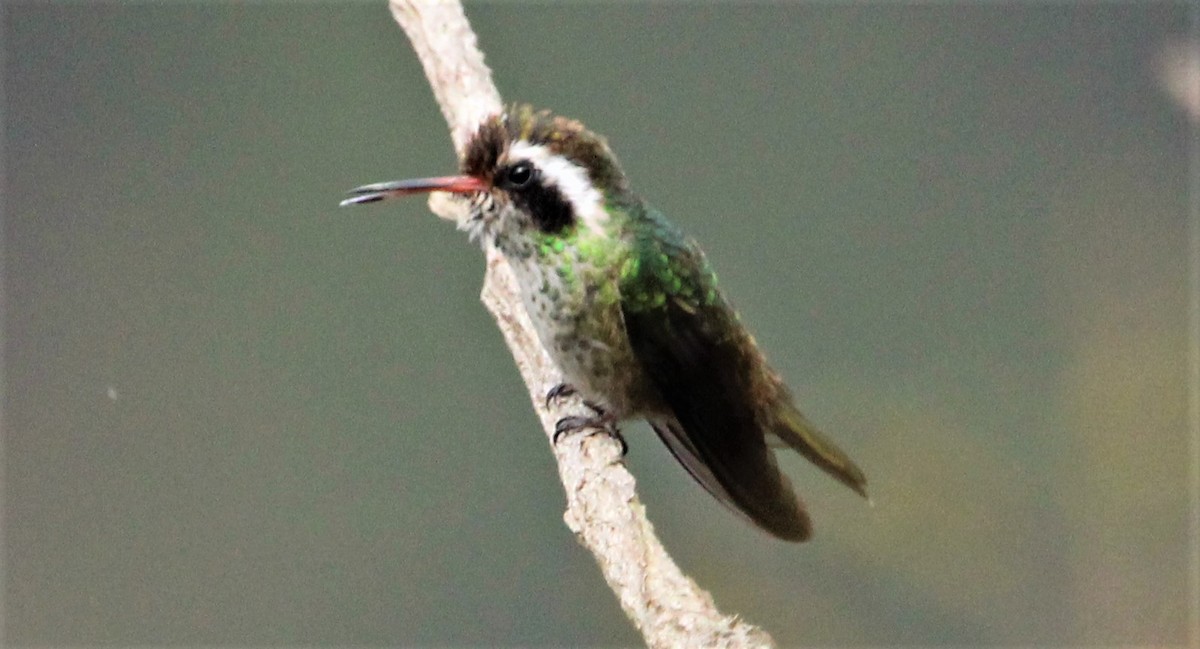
[{"x": 519, "y": 175}]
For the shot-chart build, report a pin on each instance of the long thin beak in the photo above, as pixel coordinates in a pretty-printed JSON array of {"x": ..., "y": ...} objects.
[{"x": 380, "y": 191}]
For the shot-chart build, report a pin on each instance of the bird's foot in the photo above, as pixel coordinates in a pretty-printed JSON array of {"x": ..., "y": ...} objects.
[
  {"x": 564, "y": 390},
  {"x": 602, "y": 423},
  {"x": 560, "y": 391}
]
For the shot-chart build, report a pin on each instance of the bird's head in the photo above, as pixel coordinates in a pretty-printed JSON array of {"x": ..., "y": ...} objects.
[{"x": 525, "y": 171}]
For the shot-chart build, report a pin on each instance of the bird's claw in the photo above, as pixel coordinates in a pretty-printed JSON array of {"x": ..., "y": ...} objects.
[
  {"x": 564, "y": 390},
  {"x": 599, "y": 424},
  {"x": 560, "y": 391}
]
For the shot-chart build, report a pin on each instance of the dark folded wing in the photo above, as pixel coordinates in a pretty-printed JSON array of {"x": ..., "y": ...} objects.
[{"x": 704, "y": 365}]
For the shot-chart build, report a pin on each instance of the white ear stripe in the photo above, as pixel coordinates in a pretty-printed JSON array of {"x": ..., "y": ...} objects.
[{"x": 570, "y": 179}]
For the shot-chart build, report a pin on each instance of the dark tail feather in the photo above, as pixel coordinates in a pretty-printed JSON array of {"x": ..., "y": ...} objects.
[{"x": 797, "y": 432}]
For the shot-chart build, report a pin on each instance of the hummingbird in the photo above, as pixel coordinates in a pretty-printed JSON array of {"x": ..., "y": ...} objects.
[{"x": 629, "y": 308}]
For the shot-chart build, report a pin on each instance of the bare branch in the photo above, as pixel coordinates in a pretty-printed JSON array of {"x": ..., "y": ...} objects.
[{"x": 602, "y": 505}]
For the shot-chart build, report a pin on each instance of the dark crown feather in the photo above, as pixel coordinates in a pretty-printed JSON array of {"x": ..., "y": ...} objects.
[{"x": 566, "y": 137}]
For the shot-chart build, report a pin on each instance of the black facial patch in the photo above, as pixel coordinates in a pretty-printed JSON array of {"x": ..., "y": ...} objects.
[{"x": 550, "y": 210}]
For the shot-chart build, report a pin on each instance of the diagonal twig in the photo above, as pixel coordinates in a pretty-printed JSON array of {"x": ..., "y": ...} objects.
[{"x": 603, "y": 509}]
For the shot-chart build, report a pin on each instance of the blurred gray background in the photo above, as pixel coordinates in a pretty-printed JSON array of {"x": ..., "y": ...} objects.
[{"x": 235, "y": 414}]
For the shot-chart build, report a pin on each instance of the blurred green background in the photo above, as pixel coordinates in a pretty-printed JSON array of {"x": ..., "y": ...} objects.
[{"x": 237, "y": 415}]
